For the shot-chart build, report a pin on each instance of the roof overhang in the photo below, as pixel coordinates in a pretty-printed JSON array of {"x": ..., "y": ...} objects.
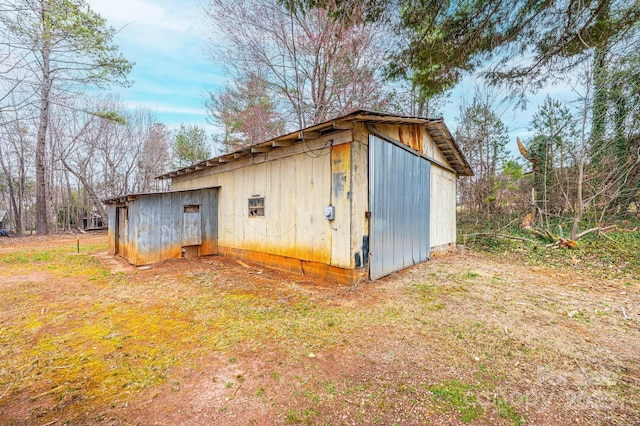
[
  {"x": 434, "y": 126},
  {"x": 132, "y": 197}
]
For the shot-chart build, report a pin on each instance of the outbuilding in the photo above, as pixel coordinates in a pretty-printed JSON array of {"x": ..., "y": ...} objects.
[{"x": 362, "y": 195}]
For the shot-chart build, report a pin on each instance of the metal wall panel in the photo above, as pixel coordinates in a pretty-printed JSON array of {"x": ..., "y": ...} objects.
[
  {"x": 191, "y": 219},
  {"x": 154, "y": 227},
  {"x": 165, "y": 227},
  {"x": 209, "y": 222},
  {"x": 191, "y": 229},
  {"x": 122, "y": 230},
  {"x": 399, "y": 202}
]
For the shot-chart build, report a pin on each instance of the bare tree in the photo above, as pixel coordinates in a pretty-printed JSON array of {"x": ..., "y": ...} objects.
[
  {"x": 64, "y": 46},
  {"x": 16, "y": 162},
  {"x": 98, "y": 155},
  {"x": 482, "y": 135},
  {"x": 247, "y": 112},
  {"x": 318, "y": 65},
  {"x": 154, "y": 156}
]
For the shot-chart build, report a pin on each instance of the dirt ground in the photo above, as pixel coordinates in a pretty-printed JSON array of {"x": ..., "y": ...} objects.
[{"x": 465, "y": 339}]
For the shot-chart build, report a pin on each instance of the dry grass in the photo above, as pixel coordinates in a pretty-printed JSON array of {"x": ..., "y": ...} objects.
[{"x": 468, "y": 339}]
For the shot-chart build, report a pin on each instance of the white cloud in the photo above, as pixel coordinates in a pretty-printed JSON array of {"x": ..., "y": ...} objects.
[
  {"x": 165, "y": 39},
  {"x": 168, "y": 108},
  {"x": 168, "y": 28},
  {"x": 159, "y": 15}
]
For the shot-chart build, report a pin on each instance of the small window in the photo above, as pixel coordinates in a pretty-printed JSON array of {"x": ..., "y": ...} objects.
[
  {"x": 256, "y": 207},
  {"x": 192, "y": 209}
]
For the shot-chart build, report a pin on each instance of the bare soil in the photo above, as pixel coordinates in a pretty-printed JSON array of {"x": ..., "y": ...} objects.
[{"x": 467, "y": 339}]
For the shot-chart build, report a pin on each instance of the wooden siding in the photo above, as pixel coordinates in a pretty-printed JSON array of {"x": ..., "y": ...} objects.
[
  {"x": 296, "y": 183},
  {"x": 341, "y": 199},
  {"x": 430, "y": 149},
  {"x": 415, "y": 137},
  {"x": 443, "y": 207},
  {"x": 360, "y": 196}
]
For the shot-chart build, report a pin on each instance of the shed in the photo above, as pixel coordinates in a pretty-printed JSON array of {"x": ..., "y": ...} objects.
[
  {"x": 362, "y": 195},
  {"x": 3, "y": 216}
]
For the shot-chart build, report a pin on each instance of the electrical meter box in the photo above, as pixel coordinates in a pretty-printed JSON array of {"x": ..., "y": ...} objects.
[{"x": 330, "y": 212}]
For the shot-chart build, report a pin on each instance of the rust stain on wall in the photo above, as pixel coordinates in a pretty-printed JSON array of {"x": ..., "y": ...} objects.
[
  {"x": 209, "y": 246},
  {"x": 340, "y": 167},
  {"x": 302, "y": 267},
  {"x": 299, "y": 251},
  {"x": 412, "y": 136}
]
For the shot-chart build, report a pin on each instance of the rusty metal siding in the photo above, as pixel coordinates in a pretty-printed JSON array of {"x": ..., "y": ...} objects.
[
  {"x": 209, "y": 212},
  {"x": 399, "y": 203},
  {"x": 155, "y": 218},
  {"x": 122, "y": 231},
  {"x": 175, "y": 222},
  {"x": 154, "y": 227},
  {"x": 112, "y": 228},
  {"x": 165, "y": 228}
]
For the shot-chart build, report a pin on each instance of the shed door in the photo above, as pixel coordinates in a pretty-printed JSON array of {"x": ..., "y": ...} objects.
[
  {"x": 191, "y": 226},
  {"x": 399, "y": 202},
  {"x": 122, "y": 231}
]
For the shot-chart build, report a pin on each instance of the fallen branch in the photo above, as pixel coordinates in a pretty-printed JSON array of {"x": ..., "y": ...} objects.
[
  {"x": 597, "y": 228},
  {"x": 583, "y": 370},
  {"x": 244, "y": 265},
  {"x": 236, "y": 391},
  {"x": 507, "y": 237},
  {"x": 555, "y": 241},
  {"x": 508, "y": 224},
  {"x": 49, "y": 391},
  {"x": 624, "y": 313}
]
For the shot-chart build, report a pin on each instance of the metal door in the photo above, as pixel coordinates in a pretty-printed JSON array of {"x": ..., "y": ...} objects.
[
  {"x": 122, "y": 231},
  {"x": 399, "y": 190},
  {"x": 191, "y": 226}
]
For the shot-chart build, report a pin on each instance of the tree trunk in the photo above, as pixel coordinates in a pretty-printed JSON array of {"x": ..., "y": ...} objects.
[
  {"x": 92, "y": 194},
  {"x": 600, "y": 97},
  {"x": 69, "y": 216},
  {"x": 42, "y": 218},
  {"x": 580, "y": 183},
  {"x": 15, "y": 212},
  {"x": 580, "y": 209}
]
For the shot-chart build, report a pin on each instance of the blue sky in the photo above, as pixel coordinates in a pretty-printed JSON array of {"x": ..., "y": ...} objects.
[
  {"x": 166, "y": 40},
  {"x": 172, "y": 74}
]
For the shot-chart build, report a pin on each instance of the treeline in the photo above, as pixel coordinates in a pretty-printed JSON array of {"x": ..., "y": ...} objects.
[
  {"x": 292, "y": 64},
  {"x": 95, "y": 149},
  {"x": 65, "y": 147},
  {"x": 305, "y": 61},
  {"x": 580, "y": 168}
]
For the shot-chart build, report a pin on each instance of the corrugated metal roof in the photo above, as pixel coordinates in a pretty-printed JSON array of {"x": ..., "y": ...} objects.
[
  {"x": 132, "y": 197},
  {"x": 435, "y": 126}
]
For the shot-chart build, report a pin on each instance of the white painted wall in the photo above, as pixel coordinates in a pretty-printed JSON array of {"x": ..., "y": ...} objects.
[
  {"x": 296, "y": 185},
  {"x": 443, "y": 206}
]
